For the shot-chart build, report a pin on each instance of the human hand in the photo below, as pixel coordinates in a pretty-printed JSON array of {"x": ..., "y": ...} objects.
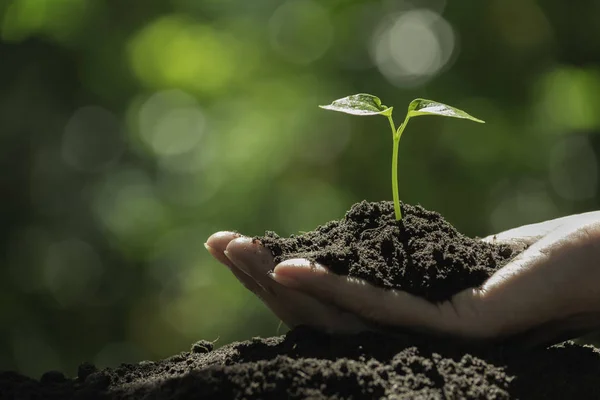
[
  {"x": 252, "y": 264},
  {"x": 549, "y": 291}
]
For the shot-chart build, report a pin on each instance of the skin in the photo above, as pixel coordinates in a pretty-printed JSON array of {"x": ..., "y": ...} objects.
[{"x": 549, "y": 292}]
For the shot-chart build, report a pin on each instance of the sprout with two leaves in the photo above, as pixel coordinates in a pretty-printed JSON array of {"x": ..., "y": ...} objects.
[{"x": 366, "y": 104}]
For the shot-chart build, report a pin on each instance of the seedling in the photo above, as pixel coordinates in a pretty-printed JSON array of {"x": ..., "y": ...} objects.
[{"x": 367, "y": 104}]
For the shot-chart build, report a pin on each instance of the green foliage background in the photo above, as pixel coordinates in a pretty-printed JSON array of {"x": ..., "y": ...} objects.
[{"x": 132, "y": 130}]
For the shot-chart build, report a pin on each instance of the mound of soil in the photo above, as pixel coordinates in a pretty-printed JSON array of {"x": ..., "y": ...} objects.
[
  {"x": 422, "y": 254},
  {"x": 308, "y": 364}
]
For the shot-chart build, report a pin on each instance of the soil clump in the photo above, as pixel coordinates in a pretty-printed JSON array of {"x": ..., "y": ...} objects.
[{"x": 422, "y": 254}]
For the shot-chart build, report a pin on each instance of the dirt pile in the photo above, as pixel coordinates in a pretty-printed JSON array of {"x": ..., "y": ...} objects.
[
  {"x": 422, "y": 254},
  {"x": 308, "y": 364}
]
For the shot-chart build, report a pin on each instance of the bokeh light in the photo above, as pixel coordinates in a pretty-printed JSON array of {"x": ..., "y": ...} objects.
[
  {"x": 568, "y": 99},
  {"x": 300, "y": 31},
  {"x": 128, "y": 207},
  {"x": 573, "y": 169},
  {"x": 72, "y": 272},
  {"x": 522, "y": 25},
  {"x": 175, "y": 51},
  {"x": 523, "y": 202},
  {"x": 58, "y": 19},
  {"x": 414, "y": 46},
  {"x": 93, "y": 139},
  {"x": 171, "y": 123}
]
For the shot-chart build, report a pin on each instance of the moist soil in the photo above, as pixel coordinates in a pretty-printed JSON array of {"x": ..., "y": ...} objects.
[
  {"x": 306, "y": 364},
  {"x": 423, "y": 255}
]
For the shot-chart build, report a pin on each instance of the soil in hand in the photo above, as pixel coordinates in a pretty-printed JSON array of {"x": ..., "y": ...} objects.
[{"x": 422, "y": 254}]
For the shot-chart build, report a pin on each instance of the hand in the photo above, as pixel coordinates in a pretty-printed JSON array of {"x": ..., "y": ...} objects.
[
  {"x": 252, "y": 265},
  {"x": 550, "y": 291}
]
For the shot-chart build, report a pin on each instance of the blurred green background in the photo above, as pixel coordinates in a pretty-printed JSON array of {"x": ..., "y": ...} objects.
[{"x": 132, "y": 130}]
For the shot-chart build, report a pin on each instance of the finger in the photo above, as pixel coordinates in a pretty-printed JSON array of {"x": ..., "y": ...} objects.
[
  {"x": 216, "y": 246},
  {"x": 529, "y": 234},
  {"x": 240, "y": 256},
  {"x": 251, "y": 257},
  {"x": 217, "y": 243},
  {"x": 384, "y": 307},
  {"x": 291, "y": 306}
]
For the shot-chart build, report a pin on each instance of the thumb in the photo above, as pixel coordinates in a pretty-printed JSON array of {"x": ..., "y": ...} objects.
[
  {"x": 356, "y": 296},
  {"x": 529, "y": 234}
]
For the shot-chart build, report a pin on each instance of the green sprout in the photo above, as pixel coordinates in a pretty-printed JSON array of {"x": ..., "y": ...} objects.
[{"x": 367, "y": 104}]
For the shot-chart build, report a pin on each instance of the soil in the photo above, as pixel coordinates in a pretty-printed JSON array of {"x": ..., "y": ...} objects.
[
  {"x": 306, "y": 364},
  {"x": 424, "y": 255}
]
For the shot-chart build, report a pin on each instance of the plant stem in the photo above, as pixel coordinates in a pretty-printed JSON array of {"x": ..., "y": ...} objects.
[
  {"x": 396, "y": 140},
  {"x": 396, "y": 134}
]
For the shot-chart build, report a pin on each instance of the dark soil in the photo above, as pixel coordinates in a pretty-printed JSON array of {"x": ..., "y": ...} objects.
[
  {"x": 307, "y": 364},
  {"x": 422, "y": 254}
]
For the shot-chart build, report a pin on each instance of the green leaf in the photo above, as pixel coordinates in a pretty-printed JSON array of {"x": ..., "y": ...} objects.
[
  {"x": 360, "y": 104},
  {"x": 428, "y": 107}
]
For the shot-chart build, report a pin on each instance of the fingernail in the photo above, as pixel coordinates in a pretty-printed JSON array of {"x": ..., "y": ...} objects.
[
  {"x": 299, "y": 266},
  {"x": 207, "y": 247},
  {"x": 297, "y": 263},
  {"x": 276, "y": 277},
  {"x": 283, "y": 280}
]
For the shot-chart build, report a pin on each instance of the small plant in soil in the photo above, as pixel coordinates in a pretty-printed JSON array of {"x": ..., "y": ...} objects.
[
  {"x": 423, "y": 255},
  {"x": 367, "y": 104}
]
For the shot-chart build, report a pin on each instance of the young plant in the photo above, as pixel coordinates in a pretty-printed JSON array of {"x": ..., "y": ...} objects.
[{"x": 367, "y": 104}]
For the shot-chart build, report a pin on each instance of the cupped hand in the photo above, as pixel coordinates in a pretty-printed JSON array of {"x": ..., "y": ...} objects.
[
  {"x": 550, "y": 291},
  {"x": 252, "y": 264}
]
